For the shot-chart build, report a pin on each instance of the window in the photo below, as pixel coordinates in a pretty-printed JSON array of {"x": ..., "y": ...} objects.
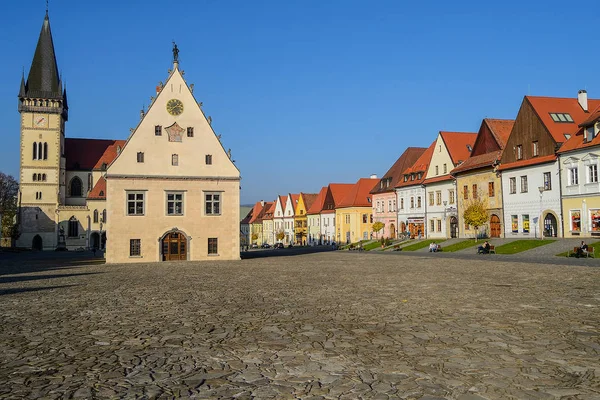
[
  {"x": 213, "y": 246},
  {"x": 432, "y": 225},
  {"x": 73, "y": 227},
  {"x": 451, "y": 196},
  {"x": 412, "y": 202},
  {"x": 437, "y": 170},
  {"x": 491, "y": 191},
  {"x": 534, "y": 148},
  {"x": 95, "y": 216},
  {"x": 519, "y": 152},
  {"x": 135, "y": 247},
  {"x": 524, "y": 184},
  {"x": 431, "y": 198},
  {"x": 419, "y": 202},
  {"x": 140, "y": 157},
  {"x": 439, "y": 225},
  {"x": 103, "y": 216},
  {"x": 35, "y": 151},
  {"x": 573, "y": 176},
  {"x": 445, "y": 169},
  {"x": 157, "y": 130},
  {"x": 347, "y": 218},
  {"x": 76, "y": 187},
  {"x": 595, "y": 214},
  {"x": 190, "y": 131},
  {"x": 40, "y": 151},
  {"x": 135, "y": 203},
  {"x": 593, "y": 173},
  {"x": 212, "y": 204},
  {"x": 364, "y": 218},
  {"x": 588, "y": 134},
  {"x": 45, "y": 151},
  {"x": 547, "y": 181},
  {"x": 466, "y": 192},
  {"x": 34, "y": 177},
  {"x": 561, "y": 117},
  {"x": 44, "y": 177},
  {"x": 438, "y": 198},
  {"x": 371, "y": 218},
  {"x": 474, "y": 190},
  {"x": 175, "y": 159},
  {"x": 525, "y": 223},
  {"x": 174, "y": 203},
  {"x": 575, "y": 220},
  {"x": 402, "y": 203},
  {"x": 513, "y": 185},
  {"x": 38, "y": 195},
  {"x": 208, "y": 159},
  {"x": 515, "y": 223},
  {"x": 90, "y": 182}
]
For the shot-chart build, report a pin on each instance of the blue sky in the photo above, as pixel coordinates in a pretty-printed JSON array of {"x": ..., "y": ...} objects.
[{"x": 305, "y": 92}]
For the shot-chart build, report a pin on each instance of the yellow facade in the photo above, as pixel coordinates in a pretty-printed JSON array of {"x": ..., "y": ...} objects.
[
  {"x": 256, "y": 233},
  {"x": 491, "y": 197},
  {"x": 300, "y": 222},
  {"x": 581, "y": 216},
  {"x": 353, "y": 224}
]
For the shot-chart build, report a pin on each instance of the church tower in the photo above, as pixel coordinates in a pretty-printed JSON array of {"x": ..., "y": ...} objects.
[{"x": 44, "y": 111}]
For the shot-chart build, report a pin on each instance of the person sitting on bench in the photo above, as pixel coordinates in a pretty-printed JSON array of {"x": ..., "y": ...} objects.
[
  {"x": 582, "y": 250},
  {"x": 484, "y": 249}
]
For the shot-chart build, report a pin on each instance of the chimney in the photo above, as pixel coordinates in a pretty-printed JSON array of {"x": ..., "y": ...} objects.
[
  {"x": 262, "y": 203},
  {"x": 582, "y": 99},
  {"x": 373, "y": 176}
]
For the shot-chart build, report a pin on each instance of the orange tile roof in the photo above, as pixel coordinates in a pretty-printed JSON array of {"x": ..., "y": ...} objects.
[
  {"x": 256, "y": 212},
  {"x": 99, "y": 190},
  {"x": 338, "y": 192},
  {"x": 576, "y": 141},
  {"x": 459, "y": 144},
  {"x": 543, "y": 106},
  {"x": 480, "y": 161},
  {"x": 359, "y": 195},
  {"x": 442, "y": 178},
  {"x": 501, "y": 129},
  {"x": 528, "y": 162},
  {"x": 408, "y": 158},
  {"x": 248, "y": 217},
  {"x": 421, "y": 165},
  {"x": 594, "y": 116},
  {"x": 317, "y": 205},
  {"x": 268, "y": 214},
  {"x": 87, "y": 154},
  {"x": 309, "y": 199}
]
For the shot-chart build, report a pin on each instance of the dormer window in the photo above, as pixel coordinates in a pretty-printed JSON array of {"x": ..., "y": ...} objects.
[
  {"x": 567, "y": 136},
  {"x": 469, "y": 148},
  {"x": 405, "y": 178},
  {"x": 420, "y": 175},
  {"x": 588, "y": 134},
  {"x": 561, "y": 117}
]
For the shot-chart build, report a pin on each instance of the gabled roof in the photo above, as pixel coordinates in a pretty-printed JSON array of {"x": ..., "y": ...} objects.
[
  {"x": 283, "y": 201},
  {"x": 270, "y": 211},
  {"x": 527, "y": 162},
  {"x": 480, "y": 161},
  {"x": 248, "y": 217},
  {"x": 257, "y": 212},
  {"x": 339, "y": 191},
  {"x": 501, "y": 129},
  {"x": 317, "y": 205},
  {"x": 593, "y": 118},
  {"x": 99, "y": 190},
  {"x": 294, "y": 199},
  {"x": 576, "y": 141},
  {"x": 86, "y": 154},
  {"x": 309, "y": 199},
  {"x": 359, "y": 195},
  {"x": 459, "y": 144},
  {"x": 44, "y": 80},
  {"x": 408, "y": 158},
  {"x": 421, "y": 165},
  {"x": 543, "y": 106}
]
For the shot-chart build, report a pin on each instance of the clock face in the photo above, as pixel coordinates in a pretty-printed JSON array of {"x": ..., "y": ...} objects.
[
  {"x": 174, "y": 107},
  {"x": 39, "y": 121}
]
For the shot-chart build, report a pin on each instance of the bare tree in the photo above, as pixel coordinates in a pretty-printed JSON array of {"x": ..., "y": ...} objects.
[{"x": 9, "y": 190}]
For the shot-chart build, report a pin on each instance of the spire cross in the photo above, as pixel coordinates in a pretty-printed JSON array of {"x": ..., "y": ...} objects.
[{"x": 46, "y": 7}]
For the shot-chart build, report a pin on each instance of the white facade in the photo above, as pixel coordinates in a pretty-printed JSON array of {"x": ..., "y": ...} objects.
[
  {"x": 314, "y": 229},
  {"x": 411, "y": 206},
  {"x": 278, "y": 217},
  {"x": 288, "y": 221},
  {"x": 523, "y": 204},
  {"x": 328, "y": 227},
  {"x": 441, "y": 205}
]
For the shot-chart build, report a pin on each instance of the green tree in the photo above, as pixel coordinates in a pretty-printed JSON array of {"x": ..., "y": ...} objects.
[
  {"x": 377, "y": 226},
  {"x": 254, "y": 237},
  {"x": 9, "y": 189},
  {"x": 280, "y": 235},
  {"x": 476, "y": 214}
]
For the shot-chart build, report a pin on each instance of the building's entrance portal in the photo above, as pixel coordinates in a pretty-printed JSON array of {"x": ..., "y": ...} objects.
[
  {"x": 174, "y": 247},
  {"x": 550, "y": 225},
  {"x": 495, "y": 226},
  {"x": 453, "y": 227},
  {"x": 36, "y": 243},
  {"x": 95, "y": 240}
]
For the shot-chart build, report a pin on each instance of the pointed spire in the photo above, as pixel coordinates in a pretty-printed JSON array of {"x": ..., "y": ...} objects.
[
  {"x": 22, "y": 90},
  {"x": 43, "y": 80}
]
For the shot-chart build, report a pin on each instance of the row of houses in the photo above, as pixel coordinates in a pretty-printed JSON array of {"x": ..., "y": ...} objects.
[{"x": 536, "y": 175}]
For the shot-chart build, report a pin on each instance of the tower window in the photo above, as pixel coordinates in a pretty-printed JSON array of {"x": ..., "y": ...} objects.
[
  {"x": 34, "y": 177},
  {"x": 95, "y": 216},
  {"x": 34, "y": 150},
  {"x": 190, "y": 131},
  {"x": 45, "y": 150},
  {"x": 157, "y": 130},
  {"x": 76, "y": 187},
  {"x": 208, "y": 159}
]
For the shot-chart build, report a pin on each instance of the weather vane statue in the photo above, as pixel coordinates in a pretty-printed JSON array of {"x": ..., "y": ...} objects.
[{"x": 175, "y": 52}]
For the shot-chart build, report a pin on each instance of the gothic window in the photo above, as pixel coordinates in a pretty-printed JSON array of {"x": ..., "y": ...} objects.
[
  {"x": 90, "y": 182},
  {"x": 95, "y": 216},
  {"x": 43, "y": 177},
  {"x": 73, "y": 227},
  {"x": 76, "y": 187},
  {"x": 34, "y": 177},
  {"x": 103, "y": 216},
  {"x": 40, "y": 151},
  {"x": 45, "y": 150},
  {"x": 34, "y": 150}
]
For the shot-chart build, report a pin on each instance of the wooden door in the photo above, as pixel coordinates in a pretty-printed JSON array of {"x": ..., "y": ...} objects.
[
  {"x": 174, "y": 247},
  {"x": 453, "y": 227},
  {"x": 495, "y": 226}
]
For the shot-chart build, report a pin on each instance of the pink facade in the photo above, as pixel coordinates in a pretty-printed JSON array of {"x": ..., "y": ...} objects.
[{"x": 385, "y": 210}]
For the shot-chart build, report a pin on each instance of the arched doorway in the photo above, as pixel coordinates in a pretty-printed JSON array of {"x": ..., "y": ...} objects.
[
  {"x": 392, "y": 231},
  {"x": 550, "y": 225},
  {"x": 174, "y": 246},
  {"x": 495, "y": 226},
  {"x": 36, "y": 243},
  {"x": 453, "y": 227},
  {"x": 95, "y": 240}
]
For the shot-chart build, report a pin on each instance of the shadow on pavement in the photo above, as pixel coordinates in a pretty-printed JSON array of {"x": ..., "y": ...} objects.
[
  {"x": 293, "y": 251},
  {"x": 21, "y": 278},
  {"x": 33, "y": 289},
  {"x": 22, "y": 263}
]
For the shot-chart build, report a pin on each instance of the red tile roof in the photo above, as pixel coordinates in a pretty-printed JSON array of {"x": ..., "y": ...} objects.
[
  {"x": 338, "y": 192},
  {"x": 99, "y": 190},
  {"x": 528, "y": 162},
  {"x": 257, "y": 212},
  {"x": 359, "y": 195},
  {"x": 480, "y": 161},
  {"x": 421, "y": 165},
  {"x": 459, "y": 144},
  {"x": 270, "y": 211},
  {"x": 408, "y": 158},
  {"x": 543, "y": 106},
  {"x": 442, "y": 178},
  {"x": 309, "y": 199},
  {"x": 85, "y": 154},
  {"x": 594, "y": 116},
  {"x": 317, "y": 205},
  {"x": 501, "y": 129}
]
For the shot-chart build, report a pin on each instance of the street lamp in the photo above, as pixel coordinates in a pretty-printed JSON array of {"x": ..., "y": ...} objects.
[
  {"x": 445, "y": 222},
  {"x": 540, "y": 219}
]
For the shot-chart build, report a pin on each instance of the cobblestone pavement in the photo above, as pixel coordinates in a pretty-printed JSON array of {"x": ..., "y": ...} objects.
[{"x": 332, "y": 325}]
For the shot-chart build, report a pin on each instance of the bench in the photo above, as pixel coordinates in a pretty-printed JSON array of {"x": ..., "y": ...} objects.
[
  {"x": 492, "y": 249},
  {"x": 588, "y": 253}
]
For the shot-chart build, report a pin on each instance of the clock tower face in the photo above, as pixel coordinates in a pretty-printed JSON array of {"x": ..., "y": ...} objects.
[
  {"x": 174, "y": 107},
  {"x": 40, "y": 121}
]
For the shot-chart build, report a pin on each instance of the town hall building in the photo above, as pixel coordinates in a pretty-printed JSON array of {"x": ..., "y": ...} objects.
[{"x": 168, "y": 192}]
